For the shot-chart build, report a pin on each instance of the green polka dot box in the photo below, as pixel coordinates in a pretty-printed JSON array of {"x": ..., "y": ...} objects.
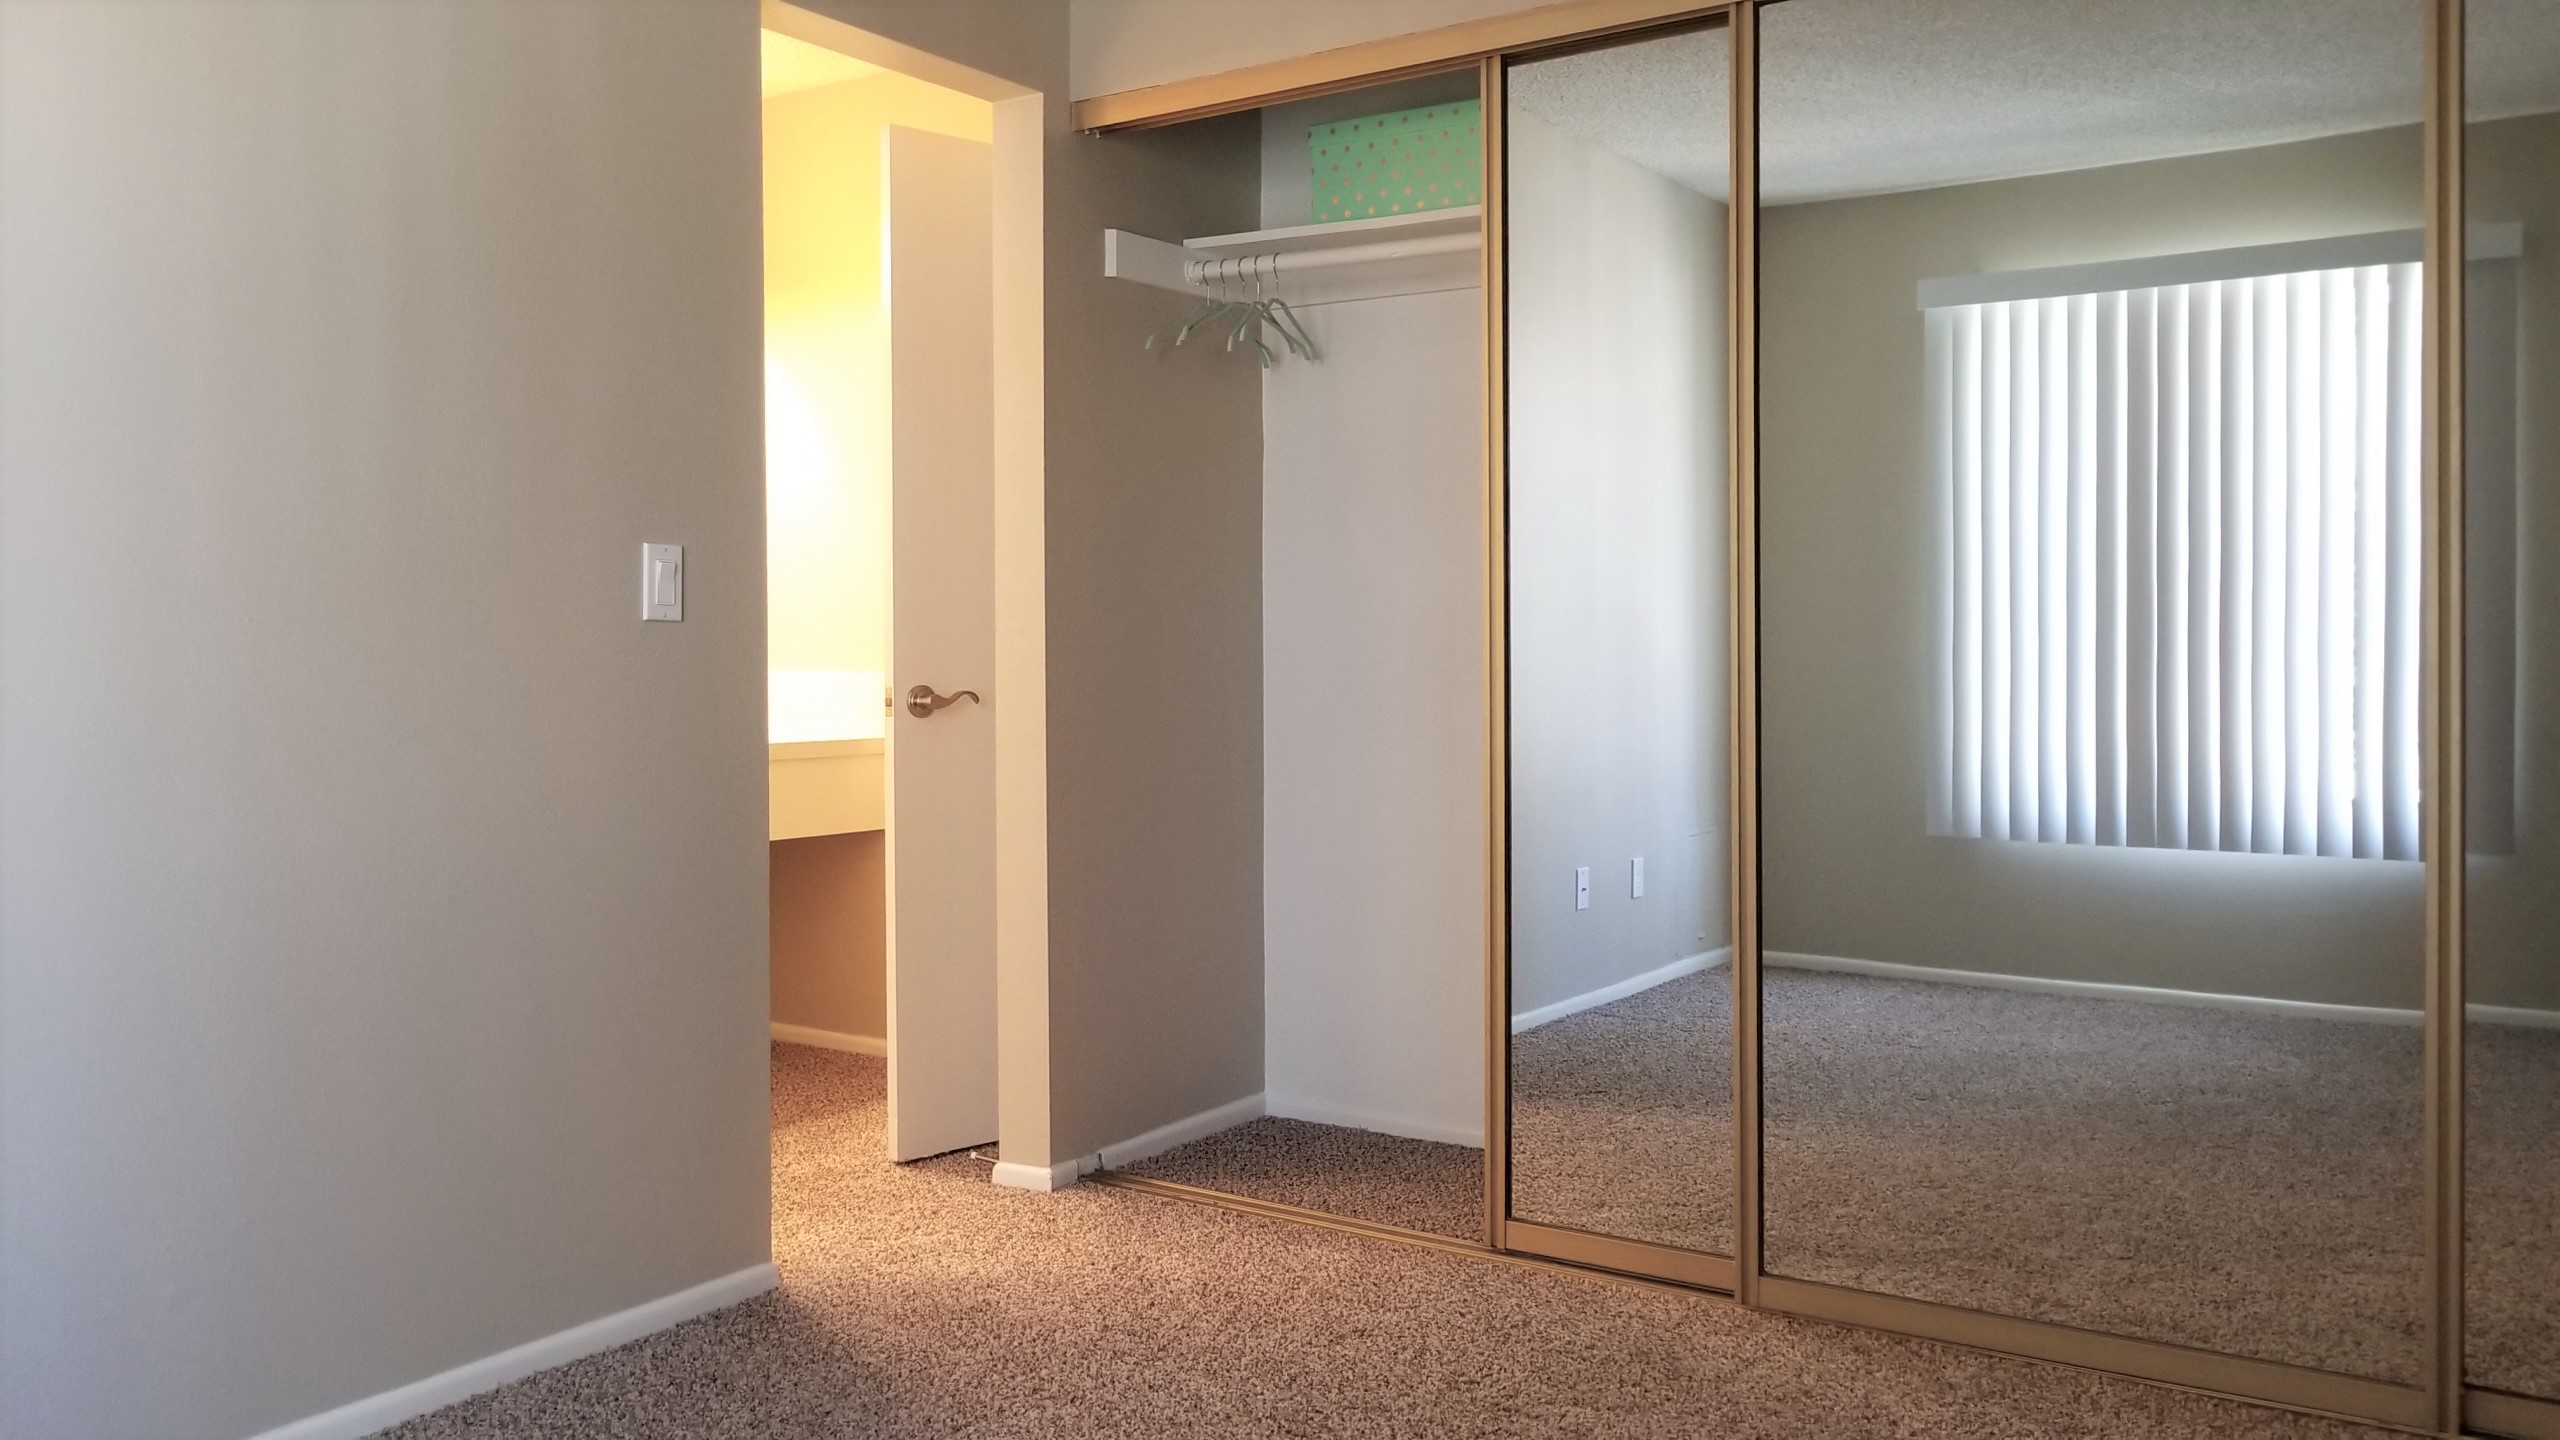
[{"x": 1422, "y": 159}]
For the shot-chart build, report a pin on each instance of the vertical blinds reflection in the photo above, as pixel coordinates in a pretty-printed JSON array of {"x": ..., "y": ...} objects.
[{"x": 2181, "y": 549}]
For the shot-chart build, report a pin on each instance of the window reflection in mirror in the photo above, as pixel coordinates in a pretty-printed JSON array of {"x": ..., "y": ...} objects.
[{"x": 2090, "y": 664}]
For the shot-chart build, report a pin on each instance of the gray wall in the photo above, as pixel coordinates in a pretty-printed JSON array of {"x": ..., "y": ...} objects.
[
  {"x": 384, "y": 967},
  {"x": 382, "y": 940},
  {"x": 1155, "y": 656},
  {"x": 830, "y": 919},
  {"x": 1848, "y": 566}
]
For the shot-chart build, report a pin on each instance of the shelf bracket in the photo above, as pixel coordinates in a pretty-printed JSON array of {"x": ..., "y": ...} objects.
[{"x": 1127, "y": 255}]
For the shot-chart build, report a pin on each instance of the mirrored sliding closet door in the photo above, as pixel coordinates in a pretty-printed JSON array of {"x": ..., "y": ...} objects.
[
  {"x": 2511, "y": 699},
  {"x": 2090, "y": 594},
  {"x": 1620, "y": 988}
]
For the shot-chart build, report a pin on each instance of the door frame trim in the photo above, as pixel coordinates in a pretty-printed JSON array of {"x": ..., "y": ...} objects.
[{"x": 1021, "y": 679}]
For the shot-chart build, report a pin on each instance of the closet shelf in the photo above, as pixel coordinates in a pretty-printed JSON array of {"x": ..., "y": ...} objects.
[
  {"x": 1416, "y": 254},
  {"x": 1295, "y": 239}
]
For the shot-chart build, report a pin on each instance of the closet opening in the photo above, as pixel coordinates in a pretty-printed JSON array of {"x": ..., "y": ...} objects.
[{"x": 1344, "y": 281}]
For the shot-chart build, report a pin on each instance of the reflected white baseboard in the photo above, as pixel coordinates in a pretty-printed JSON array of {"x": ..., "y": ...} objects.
[
  {"x": 1632, "y": 985},
  {"x": 2198, "y": 999},
  {"x": 2512, "y": 1015},
  {"x": 829, "y": 1039}
]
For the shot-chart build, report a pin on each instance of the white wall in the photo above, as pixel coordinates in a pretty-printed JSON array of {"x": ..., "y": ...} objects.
[
  {"x": 382, "y": 944},
  {"x": 1617, "y": 566},
  {"x": 1373, "y": 720}
]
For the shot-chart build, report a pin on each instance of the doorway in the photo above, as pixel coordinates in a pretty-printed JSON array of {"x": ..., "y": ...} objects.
[{"x": 883, "y": 481}]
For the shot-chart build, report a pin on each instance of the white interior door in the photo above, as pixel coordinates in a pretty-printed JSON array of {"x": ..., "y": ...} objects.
[{"x": 941, "y": 784}]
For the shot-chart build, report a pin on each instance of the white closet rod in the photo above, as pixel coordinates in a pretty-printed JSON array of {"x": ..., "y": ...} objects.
[{"x": 1266, "y": 266}]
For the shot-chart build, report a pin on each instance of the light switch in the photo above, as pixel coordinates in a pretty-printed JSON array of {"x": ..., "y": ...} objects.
[
  {"x": 662, "y": 582},
  {"x": 1635, "y": 879},
  {"x": 1581, "y": 887}
]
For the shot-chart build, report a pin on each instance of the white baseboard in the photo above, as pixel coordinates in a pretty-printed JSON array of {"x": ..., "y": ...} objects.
[
  {"x": 1130, "y": 1151},
  {"x": 1633, "y": 985},
  {"x": 2089, "y": 989},
  {"x": 2197, "y": 999},
  {"x": 1288, "y": 1108},
  {"x": 380, "y": 1412},
  {"x": 1013, "y": 1176},
  {"x": 1182, "y": 1131},
  {"x": 829, "y": 1039}
]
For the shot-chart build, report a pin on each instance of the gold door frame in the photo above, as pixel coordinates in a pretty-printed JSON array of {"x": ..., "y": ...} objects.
[{"x": 2444, "y": 1405}]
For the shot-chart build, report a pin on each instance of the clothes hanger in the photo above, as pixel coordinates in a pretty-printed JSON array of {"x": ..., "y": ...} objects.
[{"x": 1245, "y": 320}]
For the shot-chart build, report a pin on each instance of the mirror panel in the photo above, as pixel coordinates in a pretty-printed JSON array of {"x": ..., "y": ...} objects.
[
  {"x": 2511, "y": 375},
  {"x": 1621, "y": 1053},
  {"x": 2089, "y": 665}
]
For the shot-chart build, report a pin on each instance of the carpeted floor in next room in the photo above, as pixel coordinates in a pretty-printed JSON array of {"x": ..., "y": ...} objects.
[{"x": 923, "y": 1301}]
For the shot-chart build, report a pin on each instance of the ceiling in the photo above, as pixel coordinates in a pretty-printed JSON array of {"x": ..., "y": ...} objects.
[
  {"x": 798, "y": 65},
  {"x": 1869, "y": 96}
]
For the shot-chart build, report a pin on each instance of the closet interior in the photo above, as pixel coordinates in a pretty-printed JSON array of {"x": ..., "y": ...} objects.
[{"x": 1371, "y": 1104}]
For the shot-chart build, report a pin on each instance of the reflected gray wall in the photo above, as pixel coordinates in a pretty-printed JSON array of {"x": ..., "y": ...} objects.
[
  {"x": 1617, "y": 566},
  {"x": 1848, "y": 567},
  {"x": 2514, "y": 898}
]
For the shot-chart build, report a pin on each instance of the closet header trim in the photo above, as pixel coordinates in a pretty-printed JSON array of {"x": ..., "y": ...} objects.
[{"x": 1375, "y": 62}]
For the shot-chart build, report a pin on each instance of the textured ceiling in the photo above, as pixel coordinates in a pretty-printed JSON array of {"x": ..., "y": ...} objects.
[
  {"x": 798, "y": 65},
  {"x": 1868, "y": 96}
]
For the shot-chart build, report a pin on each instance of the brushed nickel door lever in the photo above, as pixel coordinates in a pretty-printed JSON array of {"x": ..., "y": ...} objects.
[{"x": 922, "y": 702}]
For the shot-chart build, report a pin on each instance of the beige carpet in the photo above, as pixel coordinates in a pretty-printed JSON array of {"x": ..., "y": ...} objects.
[
  {"x": 922, "y": 1301},
  {"x": 2512, "y": 1209},
  {"x": 2237, "y": 1182},
  {"x": 1622, "y": 1117},
  {"x": 1361, "y": 1174},
  {"x": 2231, "y": 1181}
]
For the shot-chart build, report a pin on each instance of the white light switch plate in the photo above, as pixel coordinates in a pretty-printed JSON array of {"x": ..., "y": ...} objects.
[
  {"x": 1581, "y": 887},
  {"x": 662, "y": 582},
  {"x": 1635, "y": 879}
]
